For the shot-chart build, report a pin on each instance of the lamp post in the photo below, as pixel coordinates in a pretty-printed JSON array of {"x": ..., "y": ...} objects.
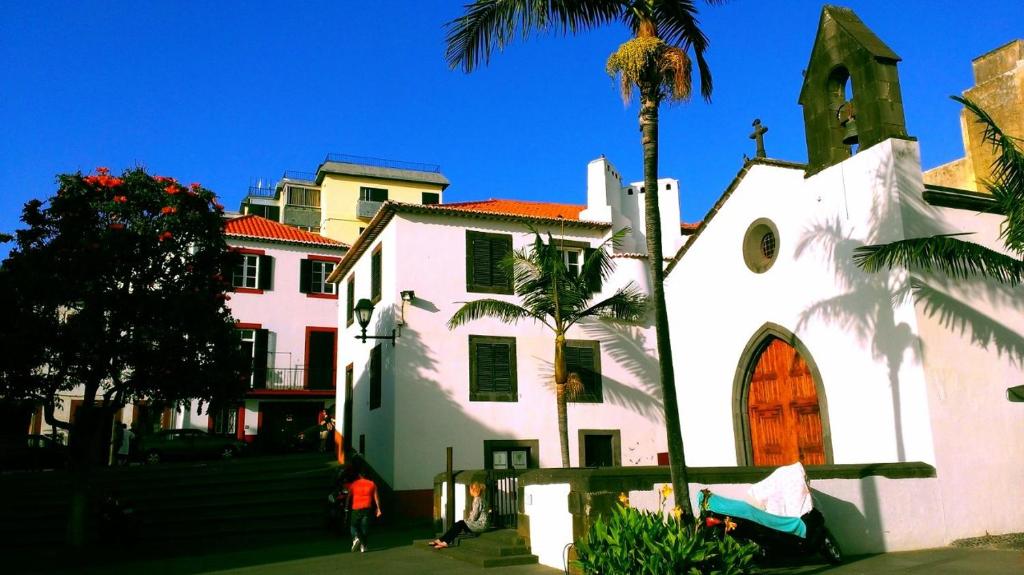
[{"x": 363, "y": 310}]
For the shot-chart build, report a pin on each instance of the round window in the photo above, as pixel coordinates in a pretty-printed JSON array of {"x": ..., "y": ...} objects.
[{"x": 761, "y": 245}]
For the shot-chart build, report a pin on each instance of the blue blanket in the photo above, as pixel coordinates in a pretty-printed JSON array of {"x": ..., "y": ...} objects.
[{"x": 736, "y": 508}]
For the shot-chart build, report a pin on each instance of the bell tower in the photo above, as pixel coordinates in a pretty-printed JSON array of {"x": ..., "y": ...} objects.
[{"x": 851, "y": 91}]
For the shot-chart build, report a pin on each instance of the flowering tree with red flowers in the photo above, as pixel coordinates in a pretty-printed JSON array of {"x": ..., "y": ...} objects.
[{"x": 116, "y": 291}]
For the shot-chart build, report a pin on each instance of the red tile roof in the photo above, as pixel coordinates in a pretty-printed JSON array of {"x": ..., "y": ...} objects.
[
  {"x": 688, "y": 229},
  {"x": 520, "y": 208},
  {"x": 256, "y": 227}
]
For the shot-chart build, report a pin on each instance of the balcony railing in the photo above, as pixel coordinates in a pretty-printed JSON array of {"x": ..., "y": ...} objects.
[
  {"x": 382, "y": 163},
  {"x": 297, "y": 379},
  {"x": 261, "y": 192},
  {"x": 367, "y": 209},
  {"x": 299, "y": 176}
]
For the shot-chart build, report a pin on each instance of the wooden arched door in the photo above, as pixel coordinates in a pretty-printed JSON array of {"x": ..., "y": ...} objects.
[{"x": 782, "y": 409}]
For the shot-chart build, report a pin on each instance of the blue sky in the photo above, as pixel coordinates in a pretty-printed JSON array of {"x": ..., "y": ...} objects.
[{"x": 225, "y": 92}]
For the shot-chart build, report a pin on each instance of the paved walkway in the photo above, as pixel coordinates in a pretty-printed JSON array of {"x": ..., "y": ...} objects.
[{"x": 392, "y": 552}]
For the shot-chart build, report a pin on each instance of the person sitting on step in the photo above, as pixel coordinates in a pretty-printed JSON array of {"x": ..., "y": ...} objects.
[{"x": 477, "y": 522}]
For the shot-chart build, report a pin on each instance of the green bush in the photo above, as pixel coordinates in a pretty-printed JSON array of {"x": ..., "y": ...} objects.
[{"x": 633, "y": 542}]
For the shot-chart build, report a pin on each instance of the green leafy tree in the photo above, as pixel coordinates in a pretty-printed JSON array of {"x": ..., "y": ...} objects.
[
  {"x": 950, "y": 253},
  {"x": 117, "y": 290},
  {"x": 657, "y": 63},
  {"x": 558, "y": 299}
]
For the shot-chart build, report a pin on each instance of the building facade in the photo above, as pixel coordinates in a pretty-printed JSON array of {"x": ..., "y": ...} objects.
[{"x": 286, "y": 315}]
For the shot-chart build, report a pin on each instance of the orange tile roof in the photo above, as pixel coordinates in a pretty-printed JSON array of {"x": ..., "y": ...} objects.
[
  {"x": 256, "y": 227},
  {"x": 520, "y": 208},
  {"x": 688, "y": 229}
]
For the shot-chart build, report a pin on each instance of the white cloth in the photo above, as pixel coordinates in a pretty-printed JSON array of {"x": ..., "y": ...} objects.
[{"x": 785, "y": 492}]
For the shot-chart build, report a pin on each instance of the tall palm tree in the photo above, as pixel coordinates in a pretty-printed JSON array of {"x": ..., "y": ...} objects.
[
  {"x": 957, "y": 257},
  {"x": 657, "y": 62},
  {"x": 558, "y": 299}
]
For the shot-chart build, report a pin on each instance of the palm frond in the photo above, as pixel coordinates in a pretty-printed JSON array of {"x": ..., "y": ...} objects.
[
  {"x": 503, "y": 311},
  {"x": 1007, "y": 182},
  {"x": 945, "y": 253},
  {"x": 628, "y": 304},
  {"x": 493, "y": 24}
]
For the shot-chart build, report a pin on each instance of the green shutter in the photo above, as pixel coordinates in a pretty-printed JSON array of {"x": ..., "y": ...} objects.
[
  {"x": 594, "y": 279},
  {"x": 305, "y": 275},
  {"x": 501, "y": 381},
  {"x": 485, "y": 271},
  {"x": 350, "y": 301},
  {"x": 259, "y": 359},
  {"x": 482, "y": 270},
  {"x": 484, "y": 367},
  {"x": 266, "y": 278},
  {"x": 375, "y": 377},
  {"x": 375, "y": 280},
  {"x": 501, "y": 247}
]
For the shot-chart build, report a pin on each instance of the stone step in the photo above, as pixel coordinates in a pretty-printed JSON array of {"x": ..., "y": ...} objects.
[{"x": 499, "y": 548}]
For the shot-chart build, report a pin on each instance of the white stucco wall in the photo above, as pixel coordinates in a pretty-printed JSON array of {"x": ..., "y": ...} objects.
[
  {"x": 426, "y": 384},
  {"x": 863, "y": 343},
  {"x": 973, "y": 348}
]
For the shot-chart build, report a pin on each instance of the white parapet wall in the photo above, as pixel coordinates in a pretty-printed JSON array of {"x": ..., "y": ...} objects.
[{"x": 550, "y": 522}]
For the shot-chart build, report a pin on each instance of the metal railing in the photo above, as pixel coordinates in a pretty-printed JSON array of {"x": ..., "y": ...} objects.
[
  {"x": 295, "y": 378},
  {"x": 262, "y": 191},
  {"x": 503, "y": 494},
  {"x": 299, "y": 176},
  {"x": 383, "y": 163}
]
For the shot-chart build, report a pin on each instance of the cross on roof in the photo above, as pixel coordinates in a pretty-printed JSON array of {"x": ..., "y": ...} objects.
[{"x": 758, "y": 136}]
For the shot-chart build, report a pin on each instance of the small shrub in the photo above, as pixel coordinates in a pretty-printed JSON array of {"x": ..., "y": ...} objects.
[{"x": 633, "y": 542}]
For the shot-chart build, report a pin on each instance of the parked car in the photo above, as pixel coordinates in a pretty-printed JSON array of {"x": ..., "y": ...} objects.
[
  {"x": 32, "y": 452},
  {"x": 187, "y": 444}
]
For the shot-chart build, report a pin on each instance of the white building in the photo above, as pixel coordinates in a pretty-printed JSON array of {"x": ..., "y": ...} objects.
[
  {"x": 821, "y": 362},
  {"x": 402, "y": 404},
  {"x": 287, "y": 320}
]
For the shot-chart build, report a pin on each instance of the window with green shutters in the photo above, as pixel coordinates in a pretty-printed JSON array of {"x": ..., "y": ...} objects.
[
  {"x": 492, "y": 368},
  {"x": 484, "y": 270},
  {"x": 375, "y": 377},
  {"x": 584, "y": 359},
  {"x": 350, "y": 300},
  {"x": 375, "y": 271}
]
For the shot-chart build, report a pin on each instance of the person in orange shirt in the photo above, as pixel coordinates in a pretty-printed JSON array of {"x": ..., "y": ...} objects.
[{"x": 363, "y": 497}]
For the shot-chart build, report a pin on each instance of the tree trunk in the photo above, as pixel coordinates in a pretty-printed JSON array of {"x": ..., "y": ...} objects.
[
  {"x": 649, "y": 101},
  {"x": 561, "y": 376}
]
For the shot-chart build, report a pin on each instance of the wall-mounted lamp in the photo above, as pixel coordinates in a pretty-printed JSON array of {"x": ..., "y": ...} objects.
[
  {"x": 408, "y": 295},
  {"x": 364, "y": 309}
]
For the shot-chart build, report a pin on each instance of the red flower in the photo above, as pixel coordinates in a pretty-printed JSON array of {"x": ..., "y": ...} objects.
[
  {"x": 116, "y": 226},
  {"x": 102, "y": 171},
  {"x": 172, "y": 189},
  {"x": 91, "y": 179},
  {"x": 120, "y": 199},
  {"x": 163, "y": 179},
  {"x": 114, "y": 182},
  {"x": 168, "y": 210},
  {"x": 166, "y": 236},
  {"x": 195, "y": 186}
]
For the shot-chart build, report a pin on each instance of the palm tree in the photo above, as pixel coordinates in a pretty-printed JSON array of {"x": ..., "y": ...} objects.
[
  {"x": 553, "y": 296},
  {"x": 957, "y": 257},
  {"x": 656, "y": 61}
]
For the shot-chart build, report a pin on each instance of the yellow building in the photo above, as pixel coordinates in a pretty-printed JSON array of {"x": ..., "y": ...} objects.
[
  {"x": 999, "y": 90},
  {"x": 344, "y": 194}
]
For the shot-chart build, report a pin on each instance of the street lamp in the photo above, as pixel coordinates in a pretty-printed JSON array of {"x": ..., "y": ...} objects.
[{"x": 364, "y": 309}]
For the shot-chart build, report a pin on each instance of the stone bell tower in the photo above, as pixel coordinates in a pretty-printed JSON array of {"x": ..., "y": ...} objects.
[{"x": 851, "y": 92}]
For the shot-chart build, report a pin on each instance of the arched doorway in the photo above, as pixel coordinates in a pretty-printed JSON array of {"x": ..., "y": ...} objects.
[{"x": 781, "y": 410}]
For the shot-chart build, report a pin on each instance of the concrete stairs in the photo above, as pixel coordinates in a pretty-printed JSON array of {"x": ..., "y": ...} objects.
[
  {"x": 498, "y": 548},
  {"x": 180, "y": 505}
]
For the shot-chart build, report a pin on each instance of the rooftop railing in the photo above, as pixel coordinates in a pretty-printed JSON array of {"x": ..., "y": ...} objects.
[
  {"x": 297, "y": 175},
  {"x": 382, "y": 163},
  {"x": 261, "y": 191}
]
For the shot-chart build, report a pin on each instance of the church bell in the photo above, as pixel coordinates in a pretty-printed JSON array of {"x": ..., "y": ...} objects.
[
  {"x": 848, "y": 120},
  {"x": 850, "y": 135}
]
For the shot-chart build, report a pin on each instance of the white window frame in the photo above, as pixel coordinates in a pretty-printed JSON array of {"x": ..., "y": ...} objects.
[
  {"x": 318, "y": 283},
  {"x": 248, "y": 335},
  {"x": 574, "y": 269},
  {"x": 249, "y": 262}
]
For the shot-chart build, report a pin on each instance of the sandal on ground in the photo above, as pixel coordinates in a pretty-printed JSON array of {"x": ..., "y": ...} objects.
[{"x": 441, "y": 545}]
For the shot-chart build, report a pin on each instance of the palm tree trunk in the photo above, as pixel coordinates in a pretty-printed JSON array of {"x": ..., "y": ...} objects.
[
  {"x": 560, "y": 400},
  {"x": 649, "y": 101}
]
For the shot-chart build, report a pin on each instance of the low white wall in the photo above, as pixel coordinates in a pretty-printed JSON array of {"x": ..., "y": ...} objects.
[
  {"x": 547, "y": 506},
  {"x": 869, "y": 515}
]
